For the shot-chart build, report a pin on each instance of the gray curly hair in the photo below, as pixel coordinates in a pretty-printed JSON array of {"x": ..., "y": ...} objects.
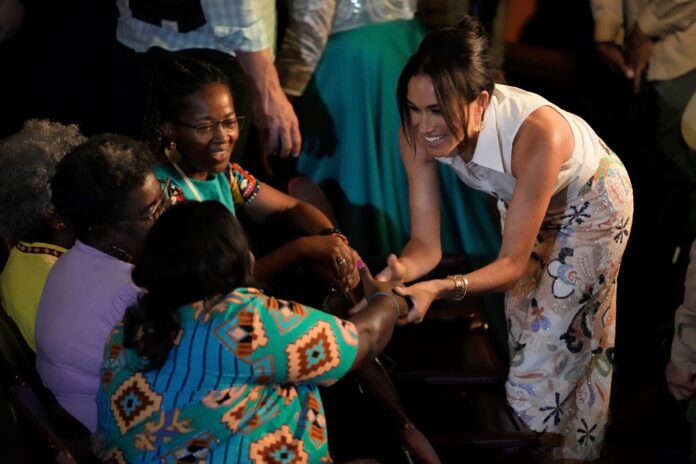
[{"x": 27, "y": 163}]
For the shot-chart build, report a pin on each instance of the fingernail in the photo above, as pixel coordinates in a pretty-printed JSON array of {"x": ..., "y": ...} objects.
[{"x": 360, "y": 264}]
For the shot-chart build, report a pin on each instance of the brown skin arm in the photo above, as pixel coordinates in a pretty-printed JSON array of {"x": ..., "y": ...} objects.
[
  {"x": 277, "y": 208},
  {"x": 375, "y": 323}
]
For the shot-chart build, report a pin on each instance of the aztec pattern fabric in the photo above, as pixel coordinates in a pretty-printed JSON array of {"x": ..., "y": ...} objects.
[
  {"x": 240, "y": 385},
  {"x": 562, "y": 315}
]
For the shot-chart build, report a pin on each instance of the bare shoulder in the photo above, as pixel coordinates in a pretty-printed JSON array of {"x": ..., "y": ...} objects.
[{"x": 544, "y": 133}]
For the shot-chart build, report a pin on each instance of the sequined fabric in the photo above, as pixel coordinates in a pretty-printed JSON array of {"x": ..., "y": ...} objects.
[{"x": 562, "y": 315}]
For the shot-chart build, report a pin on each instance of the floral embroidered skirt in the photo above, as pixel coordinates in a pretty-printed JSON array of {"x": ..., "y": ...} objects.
[{"x": 562, "y": 315}]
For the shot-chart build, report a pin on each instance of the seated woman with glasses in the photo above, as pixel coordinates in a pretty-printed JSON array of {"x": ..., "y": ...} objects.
[
  {"x": 195, "y": 127},
  {"x": 208, "y": 368},
  {"x": 106, "y": 190}
]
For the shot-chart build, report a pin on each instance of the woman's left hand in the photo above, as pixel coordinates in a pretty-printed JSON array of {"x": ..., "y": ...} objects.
[{"x": 422, "y": 296}]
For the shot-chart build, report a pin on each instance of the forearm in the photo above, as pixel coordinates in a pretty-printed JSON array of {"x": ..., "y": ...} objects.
[
  {"x": 498, "y": 276},
  {"x": 302, "y": 218},
  {"x": 375, "y": 326},
  {"x": 419, "y": 258},
  {"x": 262, "y": 74},
  {"x": 269, "y": 266}
]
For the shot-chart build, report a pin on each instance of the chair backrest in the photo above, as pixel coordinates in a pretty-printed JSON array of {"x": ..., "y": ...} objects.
[
  {"x": 305, "y": 189},
  {"x": 32, "y": 414},
  {"x": 16, "y": 360}
]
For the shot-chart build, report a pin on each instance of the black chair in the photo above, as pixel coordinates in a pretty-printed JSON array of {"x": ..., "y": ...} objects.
[
  {"x": 38, "y": 411},
  {"x": 16, "y": 358},
  {"x": 31, "y": 414}
]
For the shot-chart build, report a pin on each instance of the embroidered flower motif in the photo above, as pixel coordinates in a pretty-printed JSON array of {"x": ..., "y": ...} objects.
[
  {"x": 564, "y": 274},
  {"x": 539, "y": 321},
  {"x": 622, "y": 231},
  {"x": 586, "y": 433},
  {"x": 555, "y": 411},
  {"x": 578, "y": 215}
]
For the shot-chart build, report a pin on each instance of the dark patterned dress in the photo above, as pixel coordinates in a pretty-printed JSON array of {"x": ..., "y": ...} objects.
[{"x": 240, "y": 385}]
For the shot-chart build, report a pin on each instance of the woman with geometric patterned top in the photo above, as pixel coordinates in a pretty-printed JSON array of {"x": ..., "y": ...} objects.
[{"x": 208, "y": 368}]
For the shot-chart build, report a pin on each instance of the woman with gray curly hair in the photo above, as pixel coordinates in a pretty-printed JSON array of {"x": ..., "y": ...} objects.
[{"x": 27, "y": 218}]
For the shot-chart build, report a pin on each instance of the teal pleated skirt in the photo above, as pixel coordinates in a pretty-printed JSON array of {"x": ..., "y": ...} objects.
[{"x": 350, "y": 126}]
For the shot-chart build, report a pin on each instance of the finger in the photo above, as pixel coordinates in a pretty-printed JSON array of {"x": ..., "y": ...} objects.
[
  {"x": 629, "y": 72},
  {"x": 359, "y": 306},
  {"x": 296, "y": 138},
  {"x": 270, "y": 141},
  {"x": 414, "y": 315},
  {"x": 363, "y": 270},
  {"x": 680, "y": 394},
  {"x": 403, "y": 291},
  {"x": 285, "y": 142},
  {"x": 340, "y": 266},
  {"x": 636, "y": 82},
  {"x": 384, "y": 275}
]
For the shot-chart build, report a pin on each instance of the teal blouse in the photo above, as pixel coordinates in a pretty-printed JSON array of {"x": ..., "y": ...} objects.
[{"x": 240, "y": 385}]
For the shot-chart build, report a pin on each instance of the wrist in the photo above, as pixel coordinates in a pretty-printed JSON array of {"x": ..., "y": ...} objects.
[
  {"x": 388, "y": 295},
  {"x": 458, "y": 286},
  {"x": 333, "y": 232}
]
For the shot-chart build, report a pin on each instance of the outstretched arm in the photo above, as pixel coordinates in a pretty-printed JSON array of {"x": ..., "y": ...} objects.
[
  {"x": 542, "y": 144},
  {"x": 423, "y": 250}
]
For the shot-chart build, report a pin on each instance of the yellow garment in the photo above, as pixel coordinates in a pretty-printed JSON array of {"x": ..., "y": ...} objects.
[{"x": 22, "y": 282}]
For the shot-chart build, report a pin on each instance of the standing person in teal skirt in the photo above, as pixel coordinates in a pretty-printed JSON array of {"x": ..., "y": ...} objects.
[{"x": 340, "y": 60}]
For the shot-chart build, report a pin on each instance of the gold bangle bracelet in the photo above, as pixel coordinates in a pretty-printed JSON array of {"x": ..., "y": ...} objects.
[{"x": 461, "y": 286}]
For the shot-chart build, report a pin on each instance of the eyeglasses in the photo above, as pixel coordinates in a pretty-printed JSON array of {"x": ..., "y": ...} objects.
[
  {"x": 164, "y": 202},
  {"x": 205, "y": 131}
]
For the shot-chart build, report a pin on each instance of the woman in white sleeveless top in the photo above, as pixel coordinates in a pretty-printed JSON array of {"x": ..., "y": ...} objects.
[{"x": 566, "y": 205}]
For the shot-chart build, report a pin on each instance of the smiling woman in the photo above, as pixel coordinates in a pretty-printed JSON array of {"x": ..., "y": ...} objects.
[
  {"x": 197, "y": 128},
  {"x": 566, "y": 205}
]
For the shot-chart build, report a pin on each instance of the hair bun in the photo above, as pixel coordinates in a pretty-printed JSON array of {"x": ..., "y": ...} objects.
[{"x": 470, "y": 25}]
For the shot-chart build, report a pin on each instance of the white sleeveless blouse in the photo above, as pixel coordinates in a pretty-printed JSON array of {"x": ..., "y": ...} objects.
[{"x": 490, "y": 167}]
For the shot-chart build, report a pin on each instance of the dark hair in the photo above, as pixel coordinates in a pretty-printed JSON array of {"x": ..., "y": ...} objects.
[
  {"x": 181, "y": 267},
  {"x": 459, "y": 64},
  {"x": 92, "y": 183},
  {"x": 177, "y": 77},
  {"x": 28, "y": 160}
]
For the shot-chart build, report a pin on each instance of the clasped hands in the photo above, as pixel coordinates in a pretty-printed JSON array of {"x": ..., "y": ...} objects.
[{"x": 417, "y": 297}]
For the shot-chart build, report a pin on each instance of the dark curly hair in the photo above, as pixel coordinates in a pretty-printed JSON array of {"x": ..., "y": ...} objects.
[
  {"x": 92, "y": 183},
  {"x": 193, "y": 264},
  {"x": 176, "y": 78},
  {"x": 28, "y": 160},
  {"x": 459, "y": 63}
]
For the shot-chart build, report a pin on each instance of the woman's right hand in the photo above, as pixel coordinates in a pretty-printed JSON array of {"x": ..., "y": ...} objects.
[{"x": 394, "y": 272}]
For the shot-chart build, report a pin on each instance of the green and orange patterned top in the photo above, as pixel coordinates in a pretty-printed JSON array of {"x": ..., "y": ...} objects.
[{"x": 239, "y": 385}]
